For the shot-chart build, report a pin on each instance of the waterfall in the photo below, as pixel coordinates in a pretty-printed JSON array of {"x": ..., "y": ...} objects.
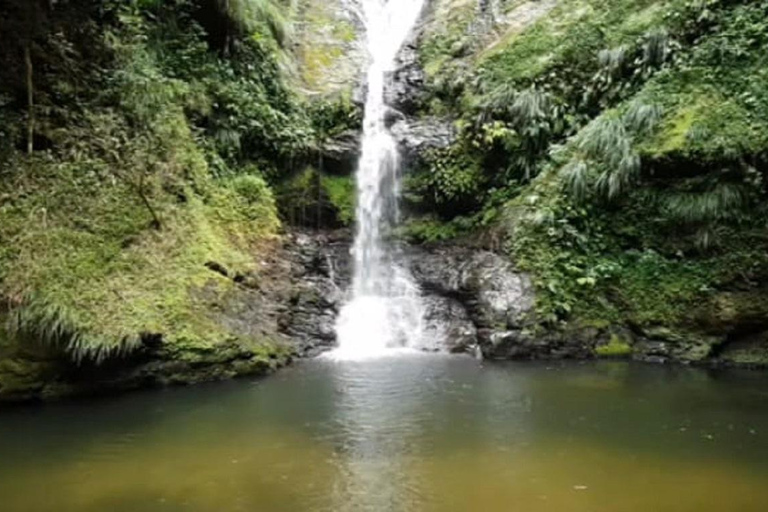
[{"x": 384, "y": 311}]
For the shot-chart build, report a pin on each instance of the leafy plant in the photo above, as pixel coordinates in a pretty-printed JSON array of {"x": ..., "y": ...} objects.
[{"x": 603, "y": 157}]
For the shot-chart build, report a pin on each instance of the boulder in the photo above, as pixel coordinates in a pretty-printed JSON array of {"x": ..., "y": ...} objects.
[
  {"x": 447, "y": 326},
  {"x": 416, "y": 136},
  {"x": 487, "y": 284}
]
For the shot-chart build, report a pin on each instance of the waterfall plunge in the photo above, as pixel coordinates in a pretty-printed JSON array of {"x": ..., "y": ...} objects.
[{"x": 385, "y": 311}]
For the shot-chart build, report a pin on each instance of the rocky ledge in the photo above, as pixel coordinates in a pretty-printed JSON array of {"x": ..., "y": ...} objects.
[
  {"x": 36, "y": 374},
  {"x": 475, "y": 300}
]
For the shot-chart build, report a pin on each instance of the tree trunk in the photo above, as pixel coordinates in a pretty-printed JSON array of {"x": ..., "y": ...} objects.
[
  {"x": 30, "y": 99},
  {"x": 144, "y": 199}
]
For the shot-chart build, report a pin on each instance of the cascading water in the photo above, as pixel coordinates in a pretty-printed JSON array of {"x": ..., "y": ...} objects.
[{"x": 385, "y": 310}]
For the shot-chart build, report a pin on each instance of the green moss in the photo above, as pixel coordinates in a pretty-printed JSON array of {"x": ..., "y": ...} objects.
[
  {"x": 716, "y": 105},
  {"x": 117, "y": 278},
  {"x": 657, "y": 250},
  {"x": 447, "y": 34},
  {"x": 678, "y": 125},
  {"x": 297, "y": 196},
  {"x": 615, "y": 348},
  {"x": 106, "y": 237},
  {"x": 325, "y": 47},
  {"x": 317, "y": 61},
  {"x": 341, "y": 194},
  {"x": 654, "y": 289},
  {"x": 427, "y": 229},
  {"x": 751, "y": 351},
  {"x": 574, "y": 30},
  {"x": 573, "y": 27},
  {"x": 344, "y": 31},
  {"x": 312, "y": 198},
  {"x": 20, "y": 379}
]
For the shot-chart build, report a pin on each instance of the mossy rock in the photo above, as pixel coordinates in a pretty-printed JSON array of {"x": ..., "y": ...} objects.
[
  {"x": 330, "y": 46},
  {"x": 728, "y": 312},
  {"x": 750, "y": 351},
  {"x": 21, "y": 379},
  {"x": 315, "y": 199},
  {"x": 617, "y": 347},
  {"x": 678, "y": 344},
  {"x": 173, "y": 364}
]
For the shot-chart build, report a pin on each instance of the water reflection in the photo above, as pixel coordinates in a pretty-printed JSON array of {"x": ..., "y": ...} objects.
[
  {"x": 383, "y": 421},
  {"x": 427, "y": 434}
]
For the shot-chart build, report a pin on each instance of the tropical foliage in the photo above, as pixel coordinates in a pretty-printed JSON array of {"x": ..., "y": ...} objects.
[
  {"x": 622, "y": 149},
  {"x": 154, "y": 129}
]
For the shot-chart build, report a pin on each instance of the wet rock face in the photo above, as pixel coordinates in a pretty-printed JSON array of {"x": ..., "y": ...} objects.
[
  {"x": 341, "y": 153},
  {"x": 320, "y": 273},
  {"x": 486, "y": 283},
  {"x": 404, "y": 94},
  {"x": 330, "y": 45},
  {"x": 448, "y": 326},
  {"x": 405, "y": 84},
  {"x": 470, "y": 297},
  {"x": 416, "y": 136},
  {"x": 480, "y": 296},
  {"x": 750, "y": 350}
]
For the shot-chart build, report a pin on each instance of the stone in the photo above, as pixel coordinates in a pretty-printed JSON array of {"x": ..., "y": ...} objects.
[
  {"x": 341, "y": 153},
  {"x": 447, "y": 326},
  {"x": 750, "y": 351},
  {"x": 496, "y": 295},
  {"x": 417, "y": 136},
  {"x": 405, "y": 84},
  {"x": 320, "y": 276}
]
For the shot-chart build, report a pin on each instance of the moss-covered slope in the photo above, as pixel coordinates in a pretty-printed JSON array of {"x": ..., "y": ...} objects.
[
  {"x": 619, "y": 148},
  {"x": 135, "y": 213}
]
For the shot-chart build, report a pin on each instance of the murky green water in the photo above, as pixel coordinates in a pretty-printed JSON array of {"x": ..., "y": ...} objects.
[{"x": 424, "y": 433}]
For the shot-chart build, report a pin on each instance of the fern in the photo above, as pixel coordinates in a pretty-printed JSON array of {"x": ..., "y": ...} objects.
[
  {"x": 529, "y": 106},
  {"x": 520, "y": 107},
  {"x": 613, "y": 60},
  {"x": 495, "y": 101},
  {"x": 608, "y": 143},
  {"x": 641, "y": 117},
  {"x": 576, "y": 178},
  {"x": 247, "y": 14},
  {"x": 705, "y": 211},
  {"x": 604, "y": 139},
  {"x": 55, "y": 326},
  {"x": 723, "y": 201},
  {"x": 656, "y": 48}
]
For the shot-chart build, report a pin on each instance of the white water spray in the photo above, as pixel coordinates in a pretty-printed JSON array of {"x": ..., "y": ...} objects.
[{"x": 384, "y": 312}]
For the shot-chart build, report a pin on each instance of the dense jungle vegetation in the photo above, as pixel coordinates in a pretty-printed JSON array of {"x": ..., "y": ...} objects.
[
  {"x": 618, "y": 150},
  {"x": 615, "y": 149},
  {"x": 137, "y": 140}
]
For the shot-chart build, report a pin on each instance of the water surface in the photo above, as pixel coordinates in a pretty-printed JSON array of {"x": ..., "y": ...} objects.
[{"x": 411, "y": 433}]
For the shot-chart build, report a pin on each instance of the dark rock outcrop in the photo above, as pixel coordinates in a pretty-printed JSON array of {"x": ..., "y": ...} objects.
[
  {"x": 288, "y": 309},
  {"x": 38, "y": 373},
  {"x": 320, "y": 276},
  {"x": 470, "y": 297},
  {"x": 484, "y": 299},
  {"x": 405, "y": 84},
  {"x": 447, "y": 325},
  {"x": 748, "y": 351},
  {"x": 341, "y": 153},
  {"x": 488, "y": 284},
  {"x": 416, "y": 136}
]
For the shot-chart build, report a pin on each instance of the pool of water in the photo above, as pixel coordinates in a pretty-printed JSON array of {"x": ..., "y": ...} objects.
[{"x": 408, "y": 433}]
